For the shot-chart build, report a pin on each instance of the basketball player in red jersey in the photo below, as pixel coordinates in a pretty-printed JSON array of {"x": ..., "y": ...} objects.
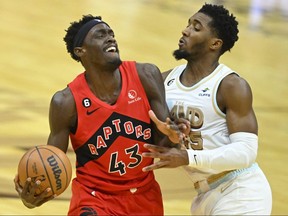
[{"x": 104, "y": 111}]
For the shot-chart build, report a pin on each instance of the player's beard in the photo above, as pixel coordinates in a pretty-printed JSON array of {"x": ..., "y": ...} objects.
[{"x": 180, "y": 54}]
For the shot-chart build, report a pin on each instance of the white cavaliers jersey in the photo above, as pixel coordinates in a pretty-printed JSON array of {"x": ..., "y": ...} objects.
[{"x": 198, "y": 104}]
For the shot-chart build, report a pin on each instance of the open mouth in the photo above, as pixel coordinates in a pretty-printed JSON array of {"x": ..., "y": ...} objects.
[
  {"x": 111, "y": 49},
  {"x": 181, "y": 42}
]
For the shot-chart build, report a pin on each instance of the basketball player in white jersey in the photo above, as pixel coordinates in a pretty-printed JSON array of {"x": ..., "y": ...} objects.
[{"x": 220, "y": 152}]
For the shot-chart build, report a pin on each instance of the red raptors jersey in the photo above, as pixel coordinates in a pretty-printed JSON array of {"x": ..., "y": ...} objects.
[{"x": 109, "y": 139}]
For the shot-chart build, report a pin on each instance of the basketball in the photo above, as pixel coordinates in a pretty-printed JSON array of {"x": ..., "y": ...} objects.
[{"x": 48, "y": 164}]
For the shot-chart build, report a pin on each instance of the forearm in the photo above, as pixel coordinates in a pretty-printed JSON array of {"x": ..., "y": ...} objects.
[{"x": 239, "y": 154}]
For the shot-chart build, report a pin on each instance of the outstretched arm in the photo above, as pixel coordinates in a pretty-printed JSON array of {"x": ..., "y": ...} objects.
[
  {"x": 152, "y": 82},
  {"x": 235, "y": 98}
]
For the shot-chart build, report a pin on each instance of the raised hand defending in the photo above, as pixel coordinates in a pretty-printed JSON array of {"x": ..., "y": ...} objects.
[{"x": 174, "y": 130}]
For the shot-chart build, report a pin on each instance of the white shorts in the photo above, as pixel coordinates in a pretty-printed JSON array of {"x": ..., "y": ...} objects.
[{"x": 246, "y": 192}]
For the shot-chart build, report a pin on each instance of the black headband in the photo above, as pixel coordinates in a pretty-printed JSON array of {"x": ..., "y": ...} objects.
[{"x": 83, "y": 31}]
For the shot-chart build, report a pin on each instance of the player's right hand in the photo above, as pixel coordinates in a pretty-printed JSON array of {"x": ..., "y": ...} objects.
[
  {"x": 168, "y": 157},
  {"x": 174, "y": 130},
  {"x": 28, "y": 195}
]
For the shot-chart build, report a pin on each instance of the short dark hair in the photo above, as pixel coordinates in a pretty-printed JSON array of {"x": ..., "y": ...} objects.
[
  {"x": 223, "y": 23},
  {"x": 73, "y": 30}
]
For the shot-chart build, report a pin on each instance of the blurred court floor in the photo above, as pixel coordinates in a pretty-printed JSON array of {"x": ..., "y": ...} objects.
[{"x": 34, "y": 64}]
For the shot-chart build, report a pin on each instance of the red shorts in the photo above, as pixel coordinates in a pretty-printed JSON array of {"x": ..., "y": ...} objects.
[{"x": 146, "y": 200}]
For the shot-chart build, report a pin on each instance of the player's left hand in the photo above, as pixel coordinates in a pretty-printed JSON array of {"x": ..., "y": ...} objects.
[
  {"x": 168, "y": 157},
  {"x": 28, "y": 195},
  {"x": 174, "y": 130}
]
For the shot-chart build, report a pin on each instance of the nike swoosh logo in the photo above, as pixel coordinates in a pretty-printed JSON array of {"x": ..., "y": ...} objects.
[{"x": 92, "y": 111}]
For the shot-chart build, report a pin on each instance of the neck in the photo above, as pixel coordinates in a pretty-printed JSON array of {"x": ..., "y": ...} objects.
[
  {"x": 196, "y": 71},
  {"x": 106, "y": 85}
]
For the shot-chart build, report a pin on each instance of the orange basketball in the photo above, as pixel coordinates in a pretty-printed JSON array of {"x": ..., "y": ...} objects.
[{"x": 48, "y": 164}]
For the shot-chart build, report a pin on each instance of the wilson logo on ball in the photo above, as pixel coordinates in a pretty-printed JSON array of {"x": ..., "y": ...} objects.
[
  {"x": 56, "y": 171},
  {"x": 47, "y": 164}
]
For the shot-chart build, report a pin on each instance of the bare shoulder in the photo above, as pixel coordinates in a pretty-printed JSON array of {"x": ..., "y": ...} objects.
[
  {"x": 63, "y": 97},
  {"x": 151, "y": 79},
  {"x": 63, "y": 101},
  {"x": 147, "y": 69},
  {"x": 165, "y": 74},
  {"x": 149, "y": 74},
  {"x": 233, "y": 84},
  {"x": 234, "y": 91}
]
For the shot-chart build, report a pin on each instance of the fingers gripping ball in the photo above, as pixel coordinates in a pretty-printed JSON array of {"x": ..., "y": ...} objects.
[{"x": 48, "y": 164}]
